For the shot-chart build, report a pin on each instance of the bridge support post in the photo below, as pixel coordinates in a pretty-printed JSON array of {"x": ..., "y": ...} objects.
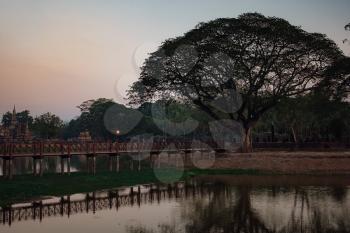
[
  {"x": 68, "y": 165},
  {"x": 34, "y": 167},
  {"x": 151, "y": 160},
  {"x": 88, "y": 164},
  {"x": 62, "y": 165},
  {"x": 117, "y": 168},
  {"x": 168, "y": 162},
  {"x": 177, "y": 160},
  {"x": 10, "y": 169},
  {"x": 41, "y": 168},
  {"x": 188, "y": 157},
  {"x": 4, "y": 167},
  {"x": 91, "y": 163},
  {"x": 132, "y": 164},
  {"x": 139, "y": 162},
  {"x": 94, "y": 164},
  {"x": 158, "y": 160},
  {"x": 110, "y": 163}
]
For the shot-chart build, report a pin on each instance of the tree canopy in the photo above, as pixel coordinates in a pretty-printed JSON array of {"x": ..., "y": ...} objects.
[
  {"x": 236, "y": 68},
  {"x": 47, "y": 126},
  {"x": 23, "y": 117}
]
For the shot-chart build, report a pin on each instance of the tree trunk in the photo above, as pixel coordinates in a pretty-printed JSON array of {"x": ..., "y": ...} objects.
[{"x": 247, "y": 146}]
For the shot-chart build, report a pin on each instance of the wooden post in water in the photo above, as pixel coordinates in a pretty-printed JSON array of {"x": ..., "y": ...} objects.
[
  {"x": 10, "y": 174},
  {"x": 168, "y": 160},
  {"x": 117, "y": 168},
  {"x": 110, "y": 163},
  {"x": 151, "y": 160},
  {"x": 68, "y": 158},
  {"x": 62, "y": 165},
  {"x": 139, "y": 160},
  {"x": 177, "y": 160},
  {"x": 34, "y": 166},
  {"x": 132, "y": 164},
  {"x": 68, "y": 165},
  {"x": 88, "y": 164},
  {"x": 4, "y": 167},
  {"x": 41, "y": 169},
  {"x": 94, "y": 164},
  {"x": 159, "y": 160}
]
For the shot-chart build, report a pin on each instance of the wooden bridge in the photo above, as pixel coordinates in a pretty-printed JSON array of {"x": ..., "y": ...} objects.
[
  {"x": 92, "y": 202},
  {"x": 65, "y": 150}
]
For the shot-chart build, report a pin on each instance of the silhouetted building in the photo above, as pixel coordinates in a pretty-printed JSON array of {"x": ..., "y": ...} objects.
[{"x": 84, "y": 136}]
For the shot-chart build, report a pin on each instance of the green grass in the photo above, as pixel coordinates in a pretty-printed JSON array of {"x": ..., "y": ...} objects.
[{"x": 26, "y": 187}]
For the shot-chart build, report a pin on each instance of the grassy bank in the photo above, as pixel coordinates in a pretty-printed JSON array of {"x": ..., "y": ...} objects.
[{"x": 26, "y": 187}]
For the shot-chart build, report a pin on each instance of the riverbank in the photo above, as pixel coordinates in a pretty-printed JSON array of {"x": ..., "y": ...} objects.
[
  {"x": 284, "y": 162},
  {"x": 27, "y": 187}
]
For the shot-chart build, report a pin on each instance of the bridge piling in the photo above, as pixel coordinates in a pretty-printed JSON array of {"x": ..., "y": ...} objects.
[
  {"x": 158, "y": 161},
  {"x": 94, "y": 164},
  {"x": 110, "y": 163},
  {"x": 41, "y": 168},
  {"x": 4, "y": 167},
  {"x": 151, "y": 160},
  {"x": 34, "y": 166},
  {"x": 132, "y": 164},
  {"x": 68, "y": 165},
  {"x": 62, "y": 165},
  {"x": 139, "y": 162},
  {"x": 117, "y": 168},
  {"x": 10, "y": 168},
  {"x": 91, "y": 163}
]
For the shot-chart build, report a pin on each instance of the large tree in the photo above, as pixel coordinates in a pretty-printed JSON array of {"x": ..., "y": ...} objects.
[
  {"x": 236, "y": 68},
  {"x": 47, "y": 126}
]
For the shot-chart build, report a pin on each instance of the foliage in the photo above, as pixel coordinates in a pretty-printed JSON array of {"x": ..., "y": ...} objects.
[
  {"x": 236, "y": 68},
  {"x": 47, "y": 126},
  {"x": 23, "y": 117},
  {"x": 91, "y": 119},
  {"x": 309, "y": 118},
  {"x": 337, "y": 82}
]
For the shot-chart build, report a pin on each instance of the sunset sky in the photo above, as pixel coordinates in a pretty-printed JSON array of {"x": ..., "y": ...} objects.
[{"x": 54, "y": 54}]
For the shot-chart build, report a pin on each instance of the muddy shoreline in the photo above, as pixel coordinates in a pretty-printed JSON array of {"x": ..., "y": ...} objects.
[{"x": 286, "y": 162}]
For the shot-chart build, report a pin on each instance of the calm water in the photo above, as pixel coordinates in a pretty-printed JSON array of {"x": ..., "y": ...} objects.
[
  {"x": 207, "y": 204},
  {"x": 53, "y": 164}
]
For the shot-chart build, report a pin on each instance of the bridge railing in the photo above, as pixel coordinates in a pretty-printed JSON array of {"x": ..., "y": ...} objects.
[{"x": 44, "y": 148}]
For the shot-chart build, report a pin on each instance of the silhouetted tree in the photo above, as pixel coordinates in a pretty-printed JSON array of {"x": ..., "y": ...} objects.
[
  {"x": 337, "y": 83},
  {"x": 23, "y": 117},
  {"x": 236, "y": 68},
  {"x": 47, "y": 126}
]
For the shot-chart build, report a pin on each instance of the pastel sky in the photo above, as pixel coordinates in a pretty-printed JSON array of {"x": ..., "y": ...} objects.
[{"x": 54, "y": 54}]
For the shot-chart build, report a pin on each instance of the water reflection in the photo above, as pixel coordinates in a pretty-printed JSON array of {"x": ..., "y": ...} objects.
[
  {"x": 53, "y": 164},
  {"x": 226, "y": 204}
]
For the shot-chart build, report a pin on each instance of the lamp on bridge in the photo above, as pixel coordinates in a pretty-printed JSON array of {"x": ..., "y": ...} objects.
[{"x": 117, "y": 132}]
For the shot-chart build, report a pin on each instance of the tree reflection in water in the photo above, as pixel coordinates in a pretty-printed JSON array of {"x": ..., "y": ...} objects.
[{"x": 230, "y": 209}]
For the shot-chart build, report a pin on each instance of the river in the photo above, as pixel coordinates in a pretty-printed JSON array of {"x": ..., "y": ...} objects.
[{"x": 204, "y": 204}]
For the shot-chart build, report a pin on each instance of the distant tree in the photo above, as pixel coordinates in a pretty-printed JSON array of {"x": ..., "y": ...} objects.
[
  {"x": 92, "y": 115},
  {"x": 47, "y": 126},
  {"x": 22, "y": 117},
  {"x": 6, "y": 119},
  {"x": 313, "y": 117},
  {"x": 337, "y": 82},
  {"x": 236, "y": 69}
]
